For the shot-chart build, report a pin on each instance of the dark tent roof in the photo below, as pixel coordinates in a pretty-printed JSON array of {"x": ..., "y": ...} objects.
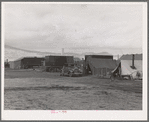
[
  {"x": 99, "y": 56},
  {"x": 129, "y": 57},
  {"x": 102, "y": 63}
]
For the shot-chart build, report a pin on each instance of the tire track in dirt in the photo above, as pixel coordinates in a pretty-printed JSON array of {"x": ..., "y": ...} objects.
[{"x": 42, "y": 88}]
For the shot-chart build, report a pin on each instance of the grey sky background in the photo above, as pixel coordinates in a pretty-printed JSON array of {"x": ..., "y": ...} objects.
[{"x": 83, "y": 27}]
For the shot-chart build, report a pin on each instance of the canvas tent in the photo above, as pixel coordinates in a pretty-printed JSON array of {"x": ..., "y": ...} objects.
[
  {"x": 100, "y": 67},
  {"x": 125, "y": 66}
]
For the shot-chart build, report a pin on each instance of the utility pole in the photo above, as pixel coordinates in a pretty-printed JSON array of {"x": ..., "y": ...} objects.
[
  {"x": 62, "y": 51},
  {"x": 118, "y": 57}
]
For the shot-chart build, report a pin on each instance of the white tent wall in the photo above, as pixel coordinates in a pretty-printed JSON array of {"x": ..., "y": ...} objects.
[{"x": 127, "y": 70}]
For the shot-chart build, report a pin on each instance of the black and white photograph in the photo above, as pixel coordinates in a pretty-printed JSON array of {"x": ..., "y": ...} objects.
[{"x": 74, "y": 60}]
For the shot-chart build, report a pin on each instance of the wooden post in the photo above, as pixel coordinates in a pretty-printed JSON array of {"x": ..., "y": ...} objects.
[{"x": 98, "y": 72}]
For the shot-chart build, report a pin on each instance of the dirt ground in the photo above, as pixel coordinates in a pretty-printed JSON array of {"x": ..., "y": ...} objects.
[{"x": 35, "y": 90}]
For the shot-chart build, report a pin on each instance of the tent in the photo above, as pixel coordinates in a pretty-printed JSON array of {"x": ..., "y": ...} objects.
[
  {"x": 125, "y": 66},
  {"x": 100, "y": 67}
]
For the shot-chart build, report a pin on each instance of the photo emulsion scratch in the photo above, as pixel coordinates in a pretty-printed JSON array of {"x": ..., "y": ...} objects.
[{"x": 79, "y": 56}]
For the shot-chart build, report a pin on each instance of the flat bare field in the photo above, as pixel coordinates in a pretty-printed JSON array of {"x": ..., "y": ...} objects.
[{"x": 35, "y": 90}]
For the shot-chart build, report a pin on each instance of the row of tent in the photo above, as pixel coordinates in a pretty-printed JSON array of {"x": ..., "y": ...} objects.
[{"x": 103, "y": 67}]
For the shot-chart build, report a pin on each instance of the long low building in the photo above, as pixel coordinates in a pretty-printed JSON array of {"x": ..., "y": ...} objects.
[
  {"x": 26, "y": 62},
  {"x": 55, "y": 63}
]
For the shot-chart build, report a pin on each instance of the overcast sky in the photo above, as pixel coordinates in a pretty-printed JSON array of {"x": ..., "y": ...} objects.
[{"x": 55, "y": 26}]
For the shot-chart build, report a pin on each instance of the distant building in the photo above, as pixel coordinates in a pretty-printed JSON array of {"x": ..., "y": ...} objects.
[
  {"x": 55, "y": 63},
  {"x": 58, "y": 60},
  {"x": 26, "y": 62},
  {"x": 77, "y": 59}
]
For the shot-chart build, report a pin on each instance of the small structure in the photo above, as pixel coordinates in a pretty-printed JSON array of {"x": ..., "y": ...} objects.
[
  {"x": 26, "y": 62},
  {"x": 6, "y": 64},
  {"x": 100, "y": 65},
  {"x": 130, "y": 66}
]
